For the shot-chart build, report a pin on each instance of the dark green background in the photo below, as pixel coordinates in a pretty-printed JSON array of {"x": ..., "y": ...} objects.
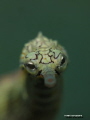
[{"x": 67, "y": 21}]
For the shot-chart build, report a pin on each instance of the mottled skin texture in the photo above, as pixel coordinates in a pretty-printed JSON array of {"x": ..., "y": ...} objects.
[{"x": 34, "y": 92}]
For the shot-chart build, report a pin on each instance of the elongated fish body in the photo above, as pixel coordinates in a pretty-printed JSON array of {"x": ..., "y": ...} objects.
[{"x": 35, "y": 91}]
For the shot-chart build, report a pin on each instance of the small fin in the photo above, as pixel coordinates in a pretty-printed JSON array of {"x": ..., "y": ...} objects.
[{"x": 40, "y": 34}]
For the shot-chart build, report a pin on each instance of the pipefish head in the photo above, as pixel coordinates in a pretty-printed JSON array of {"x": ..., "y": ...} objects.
[{"x": 45, "y": 62}]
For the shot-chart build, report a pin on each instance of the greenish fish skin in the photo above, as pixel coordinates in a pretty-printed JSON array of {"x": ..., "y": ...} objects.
[{"x": 34, "y": 92}]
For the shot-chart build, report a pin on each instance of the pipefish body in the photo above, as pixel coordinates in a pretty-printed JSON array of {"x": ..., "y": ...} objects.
[{"x": 34, "y": 92}]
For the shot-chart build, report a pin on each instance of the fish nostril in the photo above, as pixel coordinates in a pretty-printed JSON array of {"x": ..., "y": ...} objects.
[
  {"x": 39, "y": 73},
  {"x": 57, "y": 72}
]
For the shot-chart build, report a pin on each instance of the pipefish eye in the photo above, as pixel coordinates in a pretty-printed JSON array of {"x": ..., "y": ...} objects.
[
  {"x": 63, "y": 60},
  {"x": 30, "y": 65}
]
